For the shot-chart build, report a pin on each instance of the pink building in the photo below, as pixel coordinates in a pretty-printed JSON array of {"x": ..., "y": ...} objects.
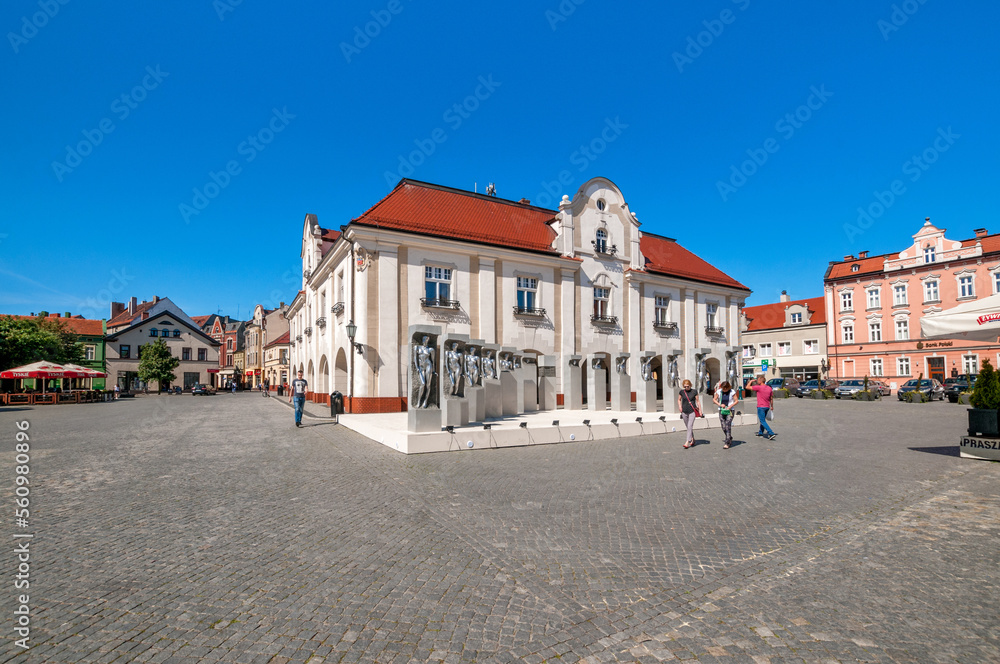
[{"x": 874, "y": 305}]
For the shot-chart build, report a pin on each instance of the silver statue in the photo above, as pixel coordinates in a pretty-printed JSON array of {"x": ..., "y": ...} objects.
[
  {"x": 472, "y": 366},
  {"x": 423, "y": 362},
  {"x": 489, "y": 365},
  {"x": 702, "y": 375},
  {"x": 506, "y": 362},
  {"x": 596, "y": 364},
  {"x": 453, "y": 360},
  {"x": 621, "y": 365},
  {"x": 646, "y": 368},
  {"x": 731, "y": 370},
  {"x": 673, "y": 375}
]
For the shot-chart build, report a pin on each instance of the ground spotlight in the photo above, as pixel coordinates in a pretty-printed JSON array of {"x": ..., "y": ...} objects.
[
  {"x": 614, "y": 420},
  {"x": 523, "y": 425},
  {"x": 639, "y": 420},
  {"x": 587, "y": 422},
  {"x": 487, "y": 426},
  {"x": 450, "y": 428},
  {"x": 555, "y": 423}
]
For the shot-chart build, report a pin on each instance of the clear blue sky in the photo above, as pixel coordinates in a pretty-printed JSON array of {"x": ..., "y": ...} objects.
[{"x": 183, "y": 86}]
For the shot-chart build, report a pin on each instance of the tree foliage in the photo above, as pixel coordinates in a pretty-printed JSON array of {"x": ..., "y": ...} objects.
[
  {"x": 157, "y": 364},
  {"x": 986, "y": 393},
  {"x": 39, "y": 339}
]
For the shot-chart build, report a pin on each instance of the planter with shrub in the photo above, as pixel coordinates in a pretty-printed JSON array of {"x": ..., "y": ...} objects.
[
  {"x": 781, "y": 393},
  {"x": 985, "y": 401},
  {"x": 866, "y": 395}
]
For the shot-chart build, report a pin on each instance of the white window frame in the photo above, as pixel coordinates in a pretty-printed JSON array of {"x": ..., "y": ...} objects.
[
  {"x": 847, "y": 330},
  {"x": 711, "y": 314},
  {"x": 796, "y": 318},
  {"x": 874, "y": 298},
  {"x": 930, "y": 254},
  {"x": 602, "y": 300},
  {"x": 764, "y": 350},
  {"x": 875, "y": 331},
  {"x": 601, "y": 241},
  {"x": 90, "y": 352},
  {"x": 749, "y": 352},
  {"x": 996, "y": 281},
  {"x": 784, "y": 348},
  {"x": 966, "y": 286},
  {"x": 661, "y": 309},
  {"x": 438, "y": 275},
  {"x": 527, "y": 292},
  {"x": 970, "y": 363},
  {"x": 905, "y": 322},
  {"x": 929, "y": 286},
  {"x": 903, "y": 366},
  {"x": 847, "y": 300},
  {"x": 876, "y": 366},
  {"x": 805, "y": 346},
  {"x": 897, "y": 299}
]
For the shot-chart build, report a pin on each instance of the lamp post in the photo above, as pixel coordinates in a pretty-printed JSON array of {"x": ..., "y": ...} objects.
[{"x": 352, "y": 330}]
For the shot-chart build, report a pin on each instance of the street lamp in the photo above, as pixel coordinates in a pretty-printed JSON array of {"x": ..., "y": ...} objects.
[{"x": 352, "y": 331}]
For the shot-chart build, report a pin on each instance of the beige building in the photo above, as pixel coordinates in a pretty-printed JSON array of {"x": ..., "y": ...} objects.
[
  {"x": 136, "y": 325},
  {"x": 266, "y": 324},
  {"x": 786, "y": 338},
  {"x": 276, "y": 362},
  {"x": 569, "y": 290}
]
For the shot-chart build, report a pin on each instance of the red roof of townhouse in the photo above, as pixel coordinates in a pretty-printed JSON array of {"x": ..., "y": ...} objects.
[
  {"x": 283, "y": 339},
  {"x": 665, "y": 256},
  {"x": 201, "y": 320},
  {"x": 772, "y": 316},
  {"x": 76, "y": 325},
  {"x": 875, "y": 264},
  {"x": 428, "y": 209},
  {"x": 124, "y": 318}
]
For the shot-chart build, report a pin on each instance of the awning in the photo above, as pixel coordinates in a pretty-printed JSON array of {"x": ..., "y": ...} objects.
[
  {"x": 90, "y": 373},
  {"x": 47, "y": 370},
  {"x": 978, "y": 320}
]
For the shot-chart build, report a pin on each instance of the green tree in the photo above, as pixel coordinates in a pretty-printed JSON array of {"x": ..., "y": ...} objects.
[
  {"x": 157, "y": 364},
  {"x": 39, "y": 339},
  {"x": 986, "y": 393}
]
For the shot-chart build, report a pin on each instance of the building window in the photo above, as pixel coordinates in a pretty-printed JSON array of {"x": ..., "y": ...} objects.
[
  {"x": 874, "y": 299},
  {"x": 847, "y": 333},
  {"x": 601, "y": 297},
  {"x": 437, "y": 284},
  {"x": 965, "y": 288},
  {"x": 710, "y": 314},
  {"x": 970, "y": 364},
  {"x": 846, "y": 301},
  {"x": 202, "y": 354},
  {"x": 527, "y": 293},
  {"x": 929, "y": 254},
  {"x": 229, "y": 344},
  {"x": 996, "y": 281},
  {"x": 661, "y": 314},
  {"x": 784, "y": 348},
  {"x": 601, "y": 243},
  {"x": 796, "y": 318},
  {"x": 875, "y": 331},
  {"x": 903, "y": 366},
  {"x": 154, "y": 332},
  {"x": 229, "y": 360},
  {"x": 902, "y": 329},
  {"x": 90, "y": 352},
  {"x": 748, "y": 352},
  {"x": 124, "y": 351},
  {"x": 185, "y": 354},
  {"x": 931, "y": 291},
  {"x": 899, "y": 294},
  {"x": 177, "y": 333},
  {"x": 855, "y": 267},
  {"x": 876, "y": 366},
  {"x": 765, "y": 350},
  {"x": 811, "y": 346},
  {"x": 164, "y": 333}
]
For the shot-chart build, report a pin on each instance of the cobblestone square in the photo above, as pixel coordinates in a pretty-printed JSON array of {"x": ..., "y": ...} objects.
[{"x": 183, "y": 529}]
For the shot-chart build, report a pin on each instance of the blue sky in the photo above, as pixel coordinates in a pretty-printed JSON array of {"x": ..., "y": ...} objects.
[{"x": 174, "y": 150}]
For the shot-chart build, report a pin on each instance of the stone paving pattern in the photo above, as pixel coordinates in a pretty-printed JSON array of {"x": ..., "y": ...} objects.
[{"x": 189, "y": 529}]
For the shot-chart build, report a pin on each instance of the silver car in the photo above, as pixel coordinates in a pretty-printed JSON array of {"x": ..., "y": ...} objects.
[{"x": 849, "y": 388}]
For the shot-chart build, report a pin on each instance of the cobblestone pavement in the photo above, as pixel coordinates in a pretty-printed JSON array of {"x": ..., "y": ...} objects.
[{"x": 186, "y": 529}]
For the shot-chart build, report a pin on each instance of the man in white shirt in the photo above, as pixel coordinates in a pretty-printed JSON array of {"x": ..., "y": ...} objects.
[{"x": 297, "y": 394}]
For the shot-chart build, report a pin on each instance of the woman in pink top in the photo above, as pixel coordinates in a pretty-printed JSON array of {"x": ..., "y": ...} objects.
[{"x": 765, "y": 401}]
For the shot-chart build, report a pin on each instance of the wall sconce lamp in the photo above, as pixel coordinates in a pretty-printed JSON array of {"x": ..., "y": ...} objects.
[{"x": 352, "y": 331}]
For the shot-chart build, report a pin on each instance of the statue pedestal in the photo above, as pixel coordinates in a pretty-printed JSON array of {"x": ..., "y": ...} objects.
[
  {"x": 621, "y": 392},
  {"x": 509, "y": 394},
  {"x": 455, "y": 412},
  {"x": 645, "y": 397},
  {"x": 547, "y": 382},
  {"x": 670, "y": 395},
  {"x": 477, "y": 404},
  {"x": 573, "y": 395},
  {"x": 492, "y": 399},
  {"x": 597, "y": 390},
  {"x": 530, "y": 394},
  {"x": 520, "y": 397},
  {"x": 423, "y": 420}
]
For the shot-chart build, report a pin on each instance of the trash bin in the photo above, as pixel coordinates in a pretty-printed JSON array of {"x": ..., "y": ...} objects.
[
  {"x": 281, "y": 391},
  {"x": 336, "y": 404}
]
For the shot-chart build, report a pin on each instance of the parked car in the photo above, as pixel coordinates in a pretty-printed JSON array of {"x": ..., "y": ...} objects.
[
  {"x": 848, "y": 388},
  {"x": 882, "y": 388},
  {"x": 790, "y": 384},
  {"x": 955, "y": 386},
  {"x": 199, "y": 388},
  {"x": 929, "y": 386},
  {"x": 806, "y": 388}
]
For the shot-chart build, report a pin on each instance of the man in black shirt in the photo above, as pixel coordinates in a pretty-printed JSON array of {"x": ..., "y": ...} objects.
[{"x": 298, "y": 395}]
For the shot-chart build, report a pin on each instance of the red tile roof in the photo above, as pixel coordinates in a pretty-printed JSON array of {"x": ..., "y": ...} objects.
[
  {"x": 201, "y": 320},
  {"x": 772, "y": 316},
  {"x": 82, "y": 326},
  {"x": 124, "y": 318},
  {"x": 875, "y": 264},
  {"x": 419, "y": 207},
  {"x": 283, "y": 339},
  {"x": 665, "y": 256}
]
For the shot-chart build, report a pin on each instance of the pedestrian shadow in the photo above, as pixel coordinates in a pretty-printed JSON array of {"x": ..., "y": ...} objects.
[{"x": 945, "y": 450}]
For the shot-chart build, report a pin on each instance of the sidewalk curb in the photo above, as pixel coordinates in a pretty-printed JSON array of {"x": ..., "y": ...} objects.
[{"x": 305, "y": 413}]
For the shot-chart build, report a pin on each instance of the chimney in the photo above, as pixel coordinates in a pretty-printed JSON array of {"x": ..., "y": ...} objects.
[
  {"x": 981, "y": 232},
  {"x": 116, "y": 308},
  {"x": 849, "y": 257},
  {"x": 131, "y": 305},
  {"x": 145, "y": 315},
  {"x": 524, "y": 201},
  {"x": 67, "y": 315},
  {"x": 156, "y": 298},
  {"x": 784, "y": 297},
  {"x": 863, "y": 254}
]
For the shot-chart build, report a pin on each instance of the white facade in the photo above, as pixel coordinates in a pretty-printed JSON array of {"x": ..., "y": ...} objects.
[{"x": 591, "y": 293}]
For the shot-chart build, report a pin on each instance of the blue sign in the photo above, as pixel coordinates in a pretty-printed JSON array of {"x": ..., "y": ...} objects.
[{"x": 763, "y": 364}]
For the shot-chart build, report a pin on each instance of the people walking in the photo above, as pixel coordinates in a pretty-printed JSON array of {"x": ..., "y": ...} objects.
[
  {"x": 689, "y": 403},
  {"x": 117, "y": 391},
  {"x": 298, "y": 396},
  {"x": 765, "y": 402},
  {"x": 726, "y": 399}
]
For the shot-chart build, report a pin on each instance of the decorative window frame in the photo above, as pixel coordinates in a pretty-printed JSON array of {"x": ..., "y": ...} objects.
[
  {"x": 994, "y": 277},
  {"x": 840, "y": 298},
  {"x": 923, "y": 287},
  {"x": 877, "y": 288},
  {"x": 805, "y": 349},
  {"x": 958, "y": 285},
  {"x": 909, "y": 365},
  {"x": 881, "y": 367},
  {"x": 786, "y": 344},
  {"x": 906, "y": 292}
]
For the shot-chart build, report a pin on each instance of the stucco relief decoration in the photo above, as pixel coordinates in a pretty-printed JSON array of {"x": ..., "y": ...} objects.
[
  {"x": 362, "y": 259},
  {"x": 424, "y": 351}
]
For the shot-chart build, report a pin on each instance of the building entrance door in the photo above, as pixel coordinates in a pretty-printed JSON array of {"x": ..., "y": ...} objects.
[{"x": 935, "y": 367}]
